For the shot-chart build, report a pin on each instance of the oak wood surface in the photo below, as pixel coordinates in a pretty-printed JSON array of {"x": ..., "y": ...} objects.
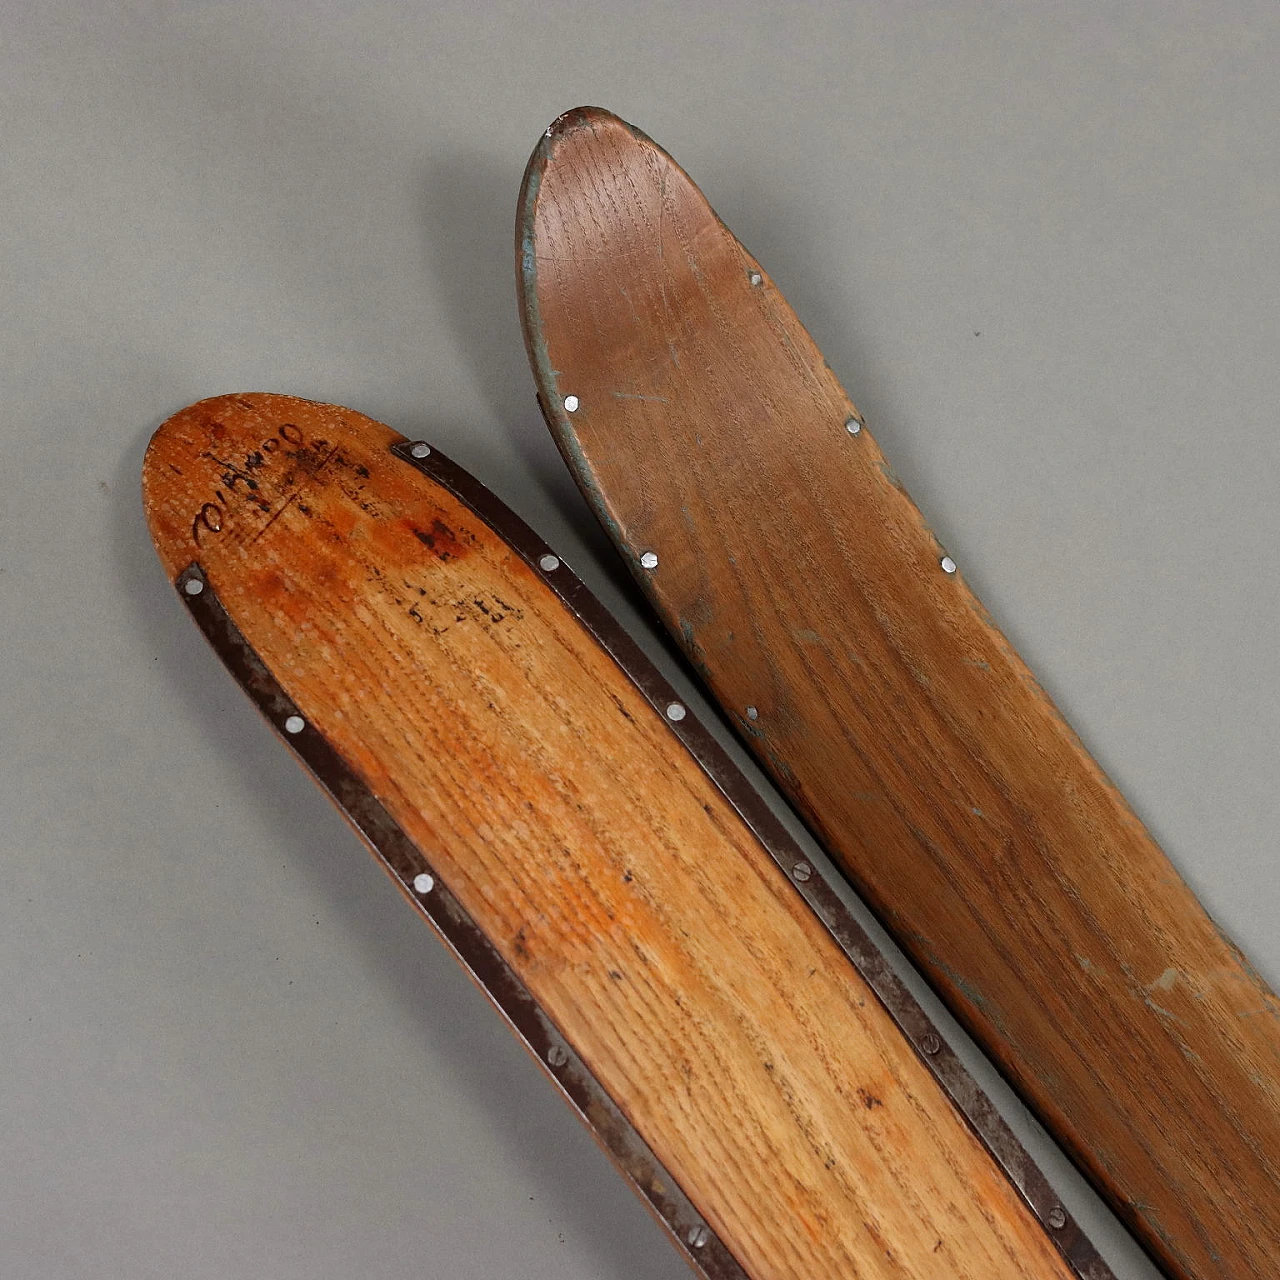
[
  {"x": 809, "y": 592},
  {"x": 612, "y": 875}
]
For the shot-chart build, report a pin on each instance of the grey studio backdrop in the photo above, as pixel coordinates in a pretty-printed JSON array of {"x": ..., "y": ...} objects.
[{"x": 1037, "y": 242}]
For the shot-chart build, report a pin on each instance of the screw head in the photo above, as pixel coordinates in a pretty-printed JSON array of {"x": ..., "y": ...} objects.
[
  {"x": 852, "y": 425},
  {"x": 548, "y": 563},
  {"x": 557, "y": 1056},
  {"x": 801, "y": 871},
  {"x": 676, "y": 711},
  {"x": 1056, "y": 1217},
  {"x": 948, "y": 564},
  {"x": 420, "y": 450},
  {"x": 571, "y": 404},
  {"x": 756, "y": 279},
  {"x": 698, "y": 1236},
  {"x": 423, "y": 883},
  {"x": 752, "y": 713},
  {"x": 931, "y": 1044},
  {"x": 294, "y": 724},
  {"x": 193, "y": 586},
  {"x": 649, "y": 560}
]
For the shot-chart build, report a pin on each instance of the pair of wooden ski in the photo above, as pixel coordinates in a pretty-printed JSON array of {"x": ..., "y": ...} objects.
[{"x": 536, "y": 789}]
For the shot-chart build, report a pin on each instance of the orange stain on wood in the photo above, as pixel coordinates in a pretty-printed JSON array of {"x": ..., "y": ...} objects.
[{"x": 612, "y": 875}]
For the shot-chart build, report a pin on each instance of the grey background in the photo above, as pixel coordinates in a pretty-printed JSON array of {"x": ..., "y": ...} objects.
[{"x": 1037, "y": 242}]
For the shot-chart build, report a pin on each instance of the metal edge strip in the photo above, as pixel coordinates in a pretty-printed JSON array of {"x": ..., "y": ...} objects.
[
  {"x": 809, "y": 881},
  {"x": 413, "y": 873}
]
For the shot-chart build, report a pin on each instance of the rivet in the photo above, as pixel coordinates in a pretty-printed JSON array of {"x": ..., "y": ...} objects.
[
  {"x": 752, "y": 714},
  {"x": 931, "y": 1044},
  {"x": 852, "y": 425},
  {"x": 547, "y": 563},
  {"x": 420, "y": 450},
  {"x": 676, "y": 711},
  {"x": 948, "y": 564},
  {"x": 193, "y": 586},
  {"x": 698, "y": 1236},
  {"x": 294, "y": 724},
  {"x": 570, "y": 404},
  {"x": 649, "y": 560},
  {"x": 557, "y": 1056},
  {"x": 423, "y": 883},
  {"x": 1056, "y": 1217},
  {"x": 801, "y": 871},
  {"x": 756, "y": 279}
]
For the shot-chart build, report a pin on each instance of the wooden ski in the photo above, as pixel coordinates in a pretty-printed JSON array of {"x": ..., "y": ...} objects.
[
  {"x": 760, "y": 517},
  {"x": 538, "y": 792}
]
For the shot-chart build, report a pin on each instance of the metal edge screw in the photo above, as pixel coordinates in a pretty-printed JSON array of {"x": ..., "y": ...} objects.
[
  {"x": 755, "y": 278},
  {"x": 931, "y": 1044},
  {"x": 423, "y": 883},
  {"x": 557, "y": 1056},
  {"x": 697, "y": 1236},
  {"x": 852, "y": 425},
  {"x": 571, "y": 404},
  {"x": 420, "y": 450},
  {"x": 948, "y": 564},
  {"x": 753, "y": 713},
  {"x": 801, "y": 871},
  {"x": 294, "y": 724},
  {"x": 1056, "y": 1217},
  {"x": 676, "y": 711},
  {"x": 548, "y": 563},
  {"x": 649, "y": 560},
  {"x": 193, "y": 586}
]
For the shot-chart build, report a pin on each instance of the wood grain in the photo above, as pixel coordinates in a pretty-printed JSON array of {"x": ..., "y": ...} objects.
[
  {"x": 809, "y": 592},
  {"x": 612, "y": 875}
]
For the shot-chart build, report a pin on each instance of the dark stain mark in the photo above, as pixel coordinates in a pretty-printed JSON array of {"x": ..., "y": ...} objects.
[
  {"x": 869, "y": 1099},
  {"x": 440, "y": 540}
]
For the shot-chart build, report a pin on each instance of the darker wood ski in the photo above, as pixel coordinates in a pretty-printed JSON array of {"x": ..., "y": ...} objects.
[
  {"x": 762, "y": 520},
  {"x": 537, "y": 791}
]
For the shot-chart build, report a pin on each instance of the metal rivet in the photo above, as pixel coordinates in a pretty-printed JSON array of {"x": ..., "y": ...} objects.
[
  {"x": 557, "y": 1056},
  {"x": 423, "y": 883},
  {"x": 420, "y": 450},
  {"x": 649, "y": 560},
  {"x": 802, "y": 871},
  {"x": 752, "y": 714},
  {"x": 193, "y": 586},
  {"x": 698, "y": 1236},
  {"x": 931, "y": 1044},
  {"x": 570, "y": 404},
  {"x": 675, "y": 711},
  {"x": 547, "y": 563},
  {"x": 294, "y": 724},
  {"x": 852, "y": 426},
  {"x": 1056, "y": 1217},
  {"x": 756, "y": 278},
  {"x": 948, "y": 564}
]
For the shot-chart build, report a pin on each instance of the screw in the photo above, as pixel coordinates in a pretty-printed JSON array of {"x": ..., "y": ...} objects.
[
  {"x": 557, "y": 1056},
  {"x": 294, "y": 724},
  {"x": 852, "y": 425},
  {"x": 802, "y": 871},
  {"x": 756, "y": 279},
  {"x": 570, "y": 404},
  {"x": 753, "y": 714},
  {"x": 547, "y": 563},
  {"x": 193, "y": 586},
  {"x": 931, "y": 1044},
  {"x": 698, "y": 1236},
  {"x": 675, "y": 711},
  {"x": 420, "y": 450},
  {"x": 423, "y": 883},
  {"x": 1056, "y": 1217},
  {"x": 948, "y": 564},
  {"x": 649, "y": 560}
]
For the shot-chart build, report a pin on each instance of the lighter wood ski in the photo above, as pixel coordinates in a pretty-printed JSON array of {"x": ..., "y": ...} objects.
[
  {"x": 559, "y": 826},
  {"x": 761, "y": 518}
]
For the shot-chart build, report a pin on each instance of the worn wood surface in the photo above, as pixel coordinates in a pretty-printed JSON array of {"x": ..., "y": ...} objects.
[
  {"x": 807, "y": 589},
  {"x": 612, "y": 875}
]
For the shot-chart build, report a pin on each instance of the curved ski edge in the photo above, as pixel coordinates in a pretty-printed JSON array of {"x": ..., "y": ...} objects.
[
  {"x": 403, "y": 860},
  {"x": 1142, "y": 1219}
]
